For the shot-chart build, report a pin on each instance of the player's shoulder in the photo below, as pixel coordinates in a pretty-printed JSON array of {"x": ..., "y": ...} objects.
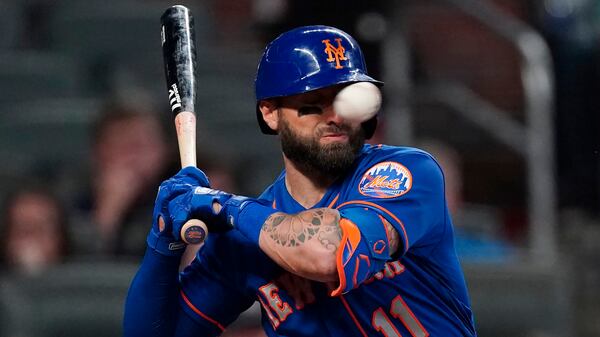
[
  {"x": 388, "y": 172},
  {"x": 403, "y": 155}
]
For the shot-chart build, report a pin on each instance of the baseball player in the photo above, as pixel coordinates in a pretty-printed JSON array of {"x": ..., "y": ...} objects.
[{"x": 349, "y": 240}]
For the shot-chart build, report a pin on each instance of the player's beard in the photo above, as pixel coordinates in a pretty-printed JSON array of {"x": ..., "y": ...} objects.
[{"x": 328, "y": 161}]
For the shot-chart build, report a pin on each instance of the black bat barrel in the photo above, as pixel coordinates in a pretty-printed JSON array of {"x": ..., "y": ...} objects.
[{"x": 179, "y": 54}]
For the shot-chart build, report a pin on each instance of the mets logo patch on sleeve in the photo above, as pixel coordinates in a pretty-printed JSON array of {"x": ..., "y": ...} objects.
[{"x": 386, "y": 180}]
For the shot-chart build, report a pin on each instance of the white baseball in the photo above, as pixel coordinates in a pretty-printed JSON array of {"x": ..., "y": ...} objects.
[{"x": 358, "y": 102}]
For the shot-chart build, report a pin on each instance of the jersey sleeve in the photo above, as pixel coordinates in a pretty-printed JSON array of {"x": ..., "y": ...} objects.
[
  {"x": 407, "y": 190},
  {"x": 213, "y": 288}
]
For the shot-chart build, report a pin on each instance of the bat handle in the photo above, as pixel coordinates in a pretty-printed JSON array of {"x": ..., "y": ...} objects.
[
  {"x": 185, "y": 124},
  {"x": 194, "y": 231}
]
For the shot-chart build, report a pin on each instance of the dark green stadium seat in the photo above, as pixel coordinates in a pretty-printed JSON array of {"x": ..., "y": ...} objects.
[
  {"x": 11, "y": 19},
  {"x": 119, "y": 41},
  {"x": 73, "y": 300},
  {"x": 45, "y": 133},
  {"x": 31, "y": 75},
  {"x": 520, "y": 300}
]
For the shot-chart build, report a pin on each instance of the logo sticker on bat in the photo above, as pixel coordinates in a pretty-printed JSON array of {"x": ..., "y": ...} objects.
[{"x": 174, "y": 98}]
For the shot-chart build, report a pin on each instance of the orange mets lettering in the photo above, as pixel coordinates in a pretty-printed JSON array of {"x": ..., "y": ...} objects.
[
  {"x": 382, "y": 181},
  {"x": 335, "y": 54}
]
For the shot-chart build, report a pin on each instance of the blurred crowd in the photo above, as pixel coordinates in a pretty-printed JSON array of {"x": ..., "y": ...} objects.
[
  {"x": 102, "y": 209},
  {"x": 107, "y": 217}
]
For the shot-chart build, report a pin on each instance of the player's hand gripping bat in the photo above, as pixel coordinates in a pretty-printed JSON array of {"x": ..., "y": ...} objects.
[{"x": 179, "y": 54}]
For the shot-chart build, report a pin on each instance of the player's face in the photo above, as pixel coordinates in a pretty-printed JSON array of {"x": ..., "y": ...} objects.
[{"x": 314, "y": 137}]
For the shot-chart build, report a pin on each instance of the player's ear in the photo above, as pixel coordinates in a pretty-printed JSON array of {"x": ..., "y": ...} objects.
[{"x": 269, "y": 111}]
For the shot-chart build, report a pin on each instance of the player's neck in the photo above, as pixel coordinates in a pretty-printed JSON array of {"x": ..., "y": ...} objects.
[{"x": 306, "y": 188}]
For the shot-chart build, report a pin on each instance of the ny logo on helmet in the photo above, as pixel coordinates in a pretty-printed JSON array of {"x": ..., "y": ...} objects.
[{"x": 335, "y": 54}]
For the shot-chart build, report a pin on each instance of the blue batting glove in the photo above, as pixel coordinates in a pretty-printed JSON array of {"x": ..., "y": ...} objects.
[
  {"x": 221, "y": 211},
  {"x": 162, "y": 239},
  {"x": 201, "y": 203}
]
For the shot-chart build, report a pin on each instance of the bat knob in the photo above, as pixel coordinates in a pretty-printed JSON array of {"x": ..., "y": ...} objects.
[{"x": 194, "y": 232}]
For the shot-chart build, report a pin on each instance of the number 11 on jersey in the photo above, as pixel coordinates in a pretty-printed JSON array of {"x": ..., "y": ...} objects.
[{"x": 399, "y": 310}]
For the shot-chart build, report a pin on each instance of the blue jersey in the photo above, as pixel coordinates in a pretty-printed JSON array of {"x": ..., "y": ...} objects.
[{"x": 420, "y": 292}]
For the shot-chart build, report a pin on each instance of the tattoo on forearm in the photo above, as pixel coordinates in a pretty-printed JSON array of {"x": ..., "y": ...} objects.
[
  {"x": 330, "y": 236},
  {"x": 294, "y": 230}
]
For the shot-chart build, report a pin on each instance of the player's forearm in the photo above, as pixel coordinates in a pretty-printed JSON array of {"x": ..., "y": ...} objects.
[
  {"x": 305, "y": 243},
  {"x": 152, "y": 301}
]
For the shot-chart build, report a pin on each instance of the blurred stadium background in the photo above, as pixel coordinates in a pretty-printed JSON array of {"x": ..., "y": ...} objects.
[{"x": 509, "y": 86}]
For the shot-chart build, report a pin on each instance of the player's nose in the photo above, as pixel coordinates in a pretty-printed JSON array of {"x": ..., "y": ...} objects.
[{"x": 330, "y": 116}]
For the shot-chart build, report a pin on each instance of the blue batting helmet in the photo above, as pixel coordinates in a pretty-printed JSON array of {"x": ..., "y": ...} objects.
[{"x": 309, "y": 58}]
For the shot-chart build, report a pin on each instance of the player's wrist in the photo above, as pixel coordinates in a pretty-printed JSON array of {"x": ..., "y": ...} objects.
[{"x": 247, "y": 215}]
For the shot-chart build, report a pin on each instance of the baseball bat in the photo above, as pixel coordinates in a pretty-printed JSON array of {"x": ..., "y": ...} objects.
[{"x": 179, "y": 55}]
